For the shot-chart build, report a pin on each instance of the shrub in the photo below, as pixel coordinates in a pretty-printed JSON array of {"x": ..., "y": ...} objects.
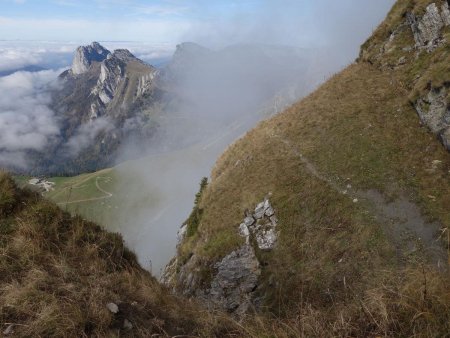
[
  {"x": 8, "y": 194},
  {"x": 195, "y": 217}
]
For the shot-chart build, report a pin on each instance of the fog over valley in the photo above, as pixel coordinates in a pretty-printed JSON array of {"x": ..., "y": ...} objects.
[
  {"x": 224, "y": 168},
  {"x": 138, "y": 124}
]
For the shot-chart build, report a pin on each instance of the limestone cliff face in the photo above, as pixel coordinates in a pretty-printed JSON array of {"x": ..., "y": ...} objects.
[
  {"x": 433, "y": 107},
  {"x": 427, "y": 30},
  {"x": 412, "y": 48},
  {"x": 101, "y": 96},
  {"x": 235, "y": 283},
  {"x": 97, "y": 75},
  {"x": 434, "y": 111},
  {"x": 416, "y": 49},
  {"x": 86, "y": 55},
  {"x": 116, "y": 71}
]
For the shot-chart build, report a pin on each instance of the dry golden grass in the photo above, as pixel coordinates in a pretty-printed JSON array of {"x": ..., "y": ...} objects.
[
  {"x": 422, "y": 71},
  {"x": 58, "y": 272},
  {"x": 337, "y": 270}
]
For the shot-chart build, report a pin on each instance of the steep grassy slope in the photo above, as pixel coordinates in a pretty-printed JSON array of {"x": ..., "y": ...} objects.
[
  {"x": 145, "y": 200},
  {"x": 58, "y": 273},
  {"x": 361, "y": 190}
]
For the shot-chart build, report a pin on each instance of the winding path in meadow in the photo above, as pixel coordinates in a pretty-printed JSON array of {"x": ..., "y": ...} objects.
[{"x": 107, "y": 194}]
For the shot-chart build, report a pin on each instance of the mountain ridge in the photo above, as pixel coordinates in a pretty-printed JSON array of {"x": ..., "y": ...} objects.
[
  {"x": 359, "y": 187},
  {"x": 96, "y": 103},
  {"x": 63, "y": 276},
  {"x": 328, "y": 219},
  {"x": 109, "y": 100},
  {"x": 85, "y": 55}
]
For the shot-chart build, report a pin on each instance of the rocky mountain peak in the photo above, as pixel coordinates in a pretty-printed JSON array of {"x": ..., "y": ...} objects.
[
  {"x": 187, "y": 58},
  {"x": 188, "y": 50},
  {"x": 123, "y": 54},
  {"x": 85, "y": 55}
]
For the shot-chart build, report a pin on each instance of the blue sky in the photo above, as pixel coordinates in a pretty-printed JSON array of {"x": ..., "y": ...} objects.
[
  {"x": 296, "y": 22},
  {"x": 135, "y": 20},
  {"x": 122, "y": 9}
]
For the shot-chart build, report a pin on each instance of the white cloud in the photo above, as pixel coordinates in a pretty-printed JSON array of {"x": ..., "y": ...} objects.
[
  {"x": 26, "y": 122},
  {"x": 153, "y": 31},
  {"x": 14, "y": 58},
  {"x": 69, "y": 3},
  {"x": 86, "y": 134},
  {"x": 294, "y": 22},
  {"x": 161, "y": 10},
  {"x": 17, "y": 54}
]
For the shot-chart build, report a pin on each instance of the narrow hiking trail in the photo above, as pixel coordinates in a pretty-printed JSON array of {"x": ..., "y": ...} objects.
[
  {"x": 107, "y": 193},
  {"x": 402, "y": 220},
  {"x": 76, "y": 185}
]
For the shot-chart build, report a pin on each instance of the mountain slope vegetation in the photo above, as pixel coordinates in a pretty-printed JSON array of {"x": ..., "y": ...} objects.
[
  {"x": 360, "y": 187},
  {"x": 355, "y": 181},
  {"x": 60, "y": 276}
]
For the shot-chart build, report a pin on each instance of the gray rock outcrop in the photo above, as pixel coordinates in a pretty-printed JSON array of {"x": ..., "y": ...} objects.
[
  {"x": 232, "y": 288},
  {"x": 112, "y": 74},
  {"x": 85, "y": 55},
  {"x": 261, "y": 226},
  {"x": 433, "y": 109},
  {"x": 446, "y": 13},
  {"x": 181, "y": 234},
  {"x": 146, "y": 82},
  {"x": 434, "y": 112},
  {"x": 106, "y": 97},
  {"x": 428, "y": 29},
  {"x": 112, "y": 307},
  {"x": 235, "y": 277}
]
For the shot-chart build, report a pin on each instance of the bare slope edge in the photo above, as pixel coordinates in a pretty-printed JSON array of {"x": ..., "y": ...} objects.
[
  {"x": 358, "y": 180},
  {"x": 61, "y": 276}
]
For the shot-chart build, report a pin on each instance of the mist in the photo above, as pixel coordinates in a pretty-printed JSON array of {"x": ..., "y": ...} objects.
[
  {"x": 254, "y": 67},
  {"x": 16, "y": 55},
  {"x": 26, "y": 122},
  {"x": 244, "y": 66},
  {"x": 29, "y": 72},
  {"x": 339, "y": 25}
]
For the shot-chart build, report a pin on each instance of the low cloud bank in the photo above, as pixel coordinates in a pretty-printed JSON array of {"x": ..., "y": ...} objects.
[
  {"x": 220, "y": 100},
  {"x": 225, "y": 92},
  {"x": 19, "y": 55},
  {"x": 26, "y": 122}
]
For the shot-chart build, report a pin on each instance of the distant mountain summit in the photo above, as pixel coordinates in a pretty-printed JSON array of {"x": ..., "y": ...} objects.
[
  {"x": 110, "y": 98},
  {"x": 331, "y": 214},
  {"x": 96, "y": 77},
  {"x": 86, "y": 55},
  {"x": 188, "y": 55},
  {"x": 102, "y": 99}
]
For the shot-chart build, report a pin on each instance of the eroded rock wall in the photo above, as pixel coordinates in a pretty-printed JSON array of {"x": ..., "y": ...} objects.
[
  {"x": 235, "y": 280},
  {"x": 433, "y": 108},
  {"x": 428, "y": 29}
]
